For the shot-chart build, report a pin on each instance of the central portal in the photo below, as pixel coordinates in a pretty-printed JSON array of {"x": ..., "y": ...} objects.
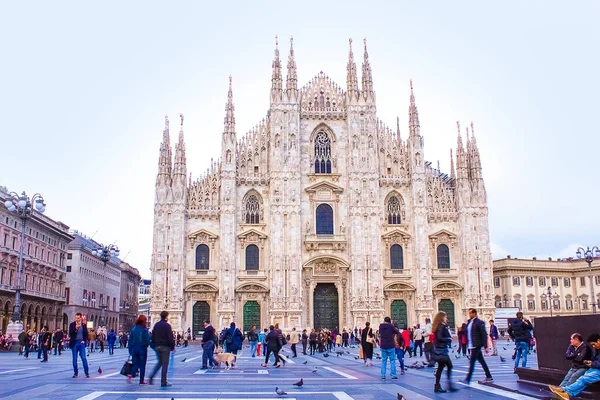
[{"x": 326, "y": 307}]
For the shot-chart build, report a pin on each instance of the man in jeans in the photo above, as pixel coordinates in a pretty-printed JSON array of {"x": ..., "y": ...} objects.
[
  {"x": 476, "y": 340},
  {"x": 78, "y": 335},
  {"x": 418, "y": 339},
  {"x": 163, "y": 344},
  {"x": 208, "y": 345},
  {"x": 494, "y": 336},
  {"x": 520, "y": 332},
  {"x": 387, "y": 331},
  {"x": 253, "y": 339},
  {"x": 591, "y": 375}
]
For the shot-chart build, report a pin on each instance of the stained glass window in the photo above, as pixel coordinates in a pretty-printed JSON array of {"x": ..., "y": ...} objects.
[
  {"x": 252, "y": 210},
  {"x": 443, "y": 256},
  {"x": 202, "y": 257},
  {"x": 393, "y": 211},
  {"x": 252, "y": 258},
  {"x": 322, "y": 154}
]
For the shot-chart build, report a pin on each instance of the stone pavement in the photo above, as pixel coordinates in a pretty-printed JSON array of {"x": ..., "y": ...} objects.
[{"x": 335, "y": 377}]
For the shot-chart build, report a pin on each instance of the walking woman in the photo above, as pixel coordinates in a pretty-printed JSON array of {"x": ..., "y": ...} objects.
[
  {"x": 367, "y": 339},
  {"x": 272, "y": 340},
  {"x": 139, "y": 340},
  {"x": 312, "y": 338},
  {"x": 443, "y": 339}
]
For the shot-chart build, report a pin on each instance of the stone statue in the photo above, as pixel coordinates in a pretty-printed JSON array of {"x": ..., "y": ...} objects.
[
  {"x": 307, "y": 227},
  {"x": 342, "y": 228}
]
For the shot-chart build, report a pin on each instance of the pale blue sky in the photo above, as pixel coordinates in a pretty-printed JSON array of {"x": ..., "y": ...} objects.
[{"x": 84, "y": 90}]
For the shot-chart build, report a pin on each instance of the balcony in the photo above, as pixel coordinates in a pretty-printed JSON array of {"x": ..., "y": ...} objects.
[
  {"x": 210, "y": 274},
  {"x": 445, "y": 273},
  {"x": 314, "y": 242},
  {"x": 397, "y": 273},
  {"x": 245, "y": 275}
]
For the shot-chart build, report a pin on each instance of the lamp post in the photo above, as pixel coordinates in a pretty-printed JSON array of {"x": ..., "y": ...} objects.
[
  {"x": 549, "y": 296},
  {"x": 105, "y": 253},
  {"x": 505, "y": 300},
  {"x": 589, "y": 255},
  {"x": 23, "y": 206}
]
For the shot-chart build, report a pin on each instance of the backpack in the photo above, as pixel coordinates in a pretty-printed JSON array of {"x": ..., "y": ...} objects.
[{"x": 228, "y": 339}]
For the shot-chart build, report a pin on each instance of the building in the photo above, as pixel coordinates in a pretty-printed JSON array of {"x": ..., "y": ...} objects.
[
  {"x": 524, "y": 283},
  {"x": 91, "y": 284},
  {"x": 128, "y": 303},
  {"x": 321, "y": 215},
  {"x": 144, "y": 297},
  {"x": 43, "y": 279}
]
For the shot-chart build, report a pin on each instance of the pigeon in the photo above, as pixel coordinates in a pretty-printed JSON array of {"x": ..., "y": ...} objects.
[
  {"x": 456, "y": 356},
  {"x": 305, "y": 362},
  {"x": 184, "y": 359},
  {"x": 314, "y": 371},
  {"x": 504, "y": 348},
  {"x": 356, "y": 357},
  {"x": 299, "y": 383},
  {"x": 99, "y": 370},
  {"x": 400, "y": 397},
  {"x": 502, "y": 359},
  {"x": 325, "y": 354},
  {"x": 280, "y": 392}
]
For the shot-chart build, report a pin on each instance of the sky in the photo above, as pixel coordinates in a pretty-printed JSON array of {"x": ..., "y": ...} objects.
[{"x": 85, "y": 87}]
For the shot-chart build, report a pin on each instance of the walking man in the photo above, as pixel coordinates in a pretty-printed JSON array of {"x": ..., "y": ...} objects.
[
  {"x": 418, "y": 339},
  {"x": 111, "y": 339},
  {"x": 78, "y": 335},
  {"x": 208, "y": 345},
  {"x": 476, "y": 340},
  {"x": 58, "y": 341},
  {"x": 520, "y": 332},
  {"x": 253, "y": 339},
  {"x": 494, "y": 336},
  {"x": 387, "y": 332},
  {"x": 294, "y": 341},
  {"x": 162, "y": 343}
]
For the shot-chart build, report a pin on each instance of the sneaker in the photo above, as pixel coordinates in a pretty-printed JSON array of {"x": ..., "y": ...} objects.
[
  {"x": 383, "y": 379},
  {"x": 143, "y": 383},
  {"x": 165, "y": 385},
  {"x": 75, "y": 376},
  {"x": 402, "y": 372},
  {"x": 87, "y": 375},
  {"x": 394, "y": 377},
  {"x": 486, "y": 380},
  {"x": 151, "y": 381}
]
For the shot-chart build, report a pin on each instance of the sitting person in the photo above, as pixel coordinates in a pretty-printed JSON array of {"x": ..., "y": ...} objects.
[
  {"x": 577, "y": 352},
  {"x": 590, "y": 376}
]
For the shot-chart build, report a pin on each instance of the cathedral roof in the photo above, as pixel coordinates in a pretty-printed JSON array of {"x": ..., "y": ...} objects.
[{"x": 323, "y": 96}]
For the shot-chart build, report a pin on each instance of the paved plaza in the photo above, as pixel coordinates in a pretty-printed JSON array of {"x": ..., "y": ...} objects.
[{"x": 334, "y": 377}]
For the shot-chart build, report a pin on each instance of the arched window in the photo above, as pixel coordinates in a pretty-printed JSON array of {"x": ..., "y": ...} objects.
[
  {"x": 396, "y": 257},
  {"x": 252, "y": 210},
  {"x": 202, "y": 257},
  {"x": 252, "y": 258},
  {"x": 393, "y": 211},
  {"x": 443, "y": 256},
  {"x": 322, "y": 154},
  {"x": 324, "y": 220}
]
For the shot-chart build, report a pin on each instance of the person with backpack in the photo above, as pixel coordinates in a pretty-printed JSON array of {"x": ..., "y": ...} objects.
[
  {"x": 111, "y": 339},
  {"x": 233, "y": 339},
  {"x": 139, "y": 340},
  {"x": 253, "y": 339}
]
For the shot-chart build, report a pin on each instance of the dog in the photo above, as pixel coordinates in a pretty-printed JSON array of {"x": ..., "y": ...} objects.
[{"x": 228, "y": 358}]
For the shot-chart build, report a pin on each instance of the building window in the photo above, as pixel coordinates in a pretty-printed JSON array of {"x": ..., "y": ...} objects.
[
  {"x": 542, "y": 281},
  {"x": 396, "y": 257},
  {"x": 529, "y": 280},
  {"x": 67, "y": 296},
  {"x": 584, "y": 304},
  {"x": 569, "y": 304},
  {"x": 556, "y": 304},
  {"x": 393, "y": 211},
  {"x": 324, "y": 219},
  {"x": 582, "y": 281},
  {"x": 597, "y": 279},
  {"x": 567, "y": 282},
  {"x": 69, "y": 256},
  {"x": 516, "y": 281},
  {"x": 544, "y": 304},
  {"x": 68, "y": 268},
  {"x": 496, "y": 282},
  {"x": 252, "y": 210},
  {"x": 322, "y": 154},
  {"x": 202, "y": 257},
  {"x": 554, "y": 281},
  {"x": 443, "y": 256},
  {"x": 518, "y": 304},
  {"x": 252, "y": 258},
  {"x": 531, "y": 305}
]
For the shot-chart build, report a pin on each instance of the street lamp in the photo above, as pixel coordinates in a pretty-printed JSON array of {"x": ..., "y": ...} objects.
[
  {"x": 105, "y": 253},
  {"x": 550, "y": 296},
  {"x": 589, "y": 255},
  {"x": 23, "y": 206},
  {"x": 505, "y": 300}
]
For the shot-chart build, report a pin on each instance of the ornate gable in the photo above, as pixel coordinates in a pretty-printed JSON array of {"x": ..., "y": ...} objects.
[
  {"x": 252, "y": 236},
  {"x": 203, "y": 236},
  {"x": 442, "y": 237},
  {"x": 201, "y": 287},
  {"x": 322, "y": 98},
  {"x": 397, "y": 236}
]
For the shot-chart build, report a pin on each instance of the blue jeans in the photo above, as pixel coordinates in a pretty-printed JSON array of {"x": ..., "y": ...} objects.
[
  {"x": 208, "y": 354},
  {"x": 253, "y": 345},
  {"x": 139, "y": 356},
  {"x": 391, "y": 354},
  {"x": 592, "y": 375},
  {"x": 400, "y": 356},
  {"x": 111, "y": 348},
  {"x": 79, "y": 348},
  {"x": 572, "y": 375},
  {"x": 522, "y": 350}
]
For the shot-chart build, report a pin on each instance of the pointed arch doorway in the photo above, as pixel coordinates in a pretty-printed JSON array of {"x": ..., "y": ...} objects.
[
  {"x": 326, "y": 306},
  {"x": 447, "y": 306}
]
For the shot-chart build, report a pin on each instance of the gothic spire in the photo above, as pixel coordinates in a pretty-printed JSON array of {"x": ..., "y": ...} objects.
[
  {"x": 367, "y": 76},
  {"x": 292, "y": 75},
  {"x": 229, "y": 129},
  {"x": 459, "y": 142},
  {"x": 180, "y": 169},
  {"x": 351, "y": 79},
  {"x": 165, "y": 160},
  {"x": 474, "y": 155},
  {"x": 276, "y": 80},
  {"x": 452, "y": 173},
  {"x": 413, "y": 114},
  {"x": 398, "y": 129}
]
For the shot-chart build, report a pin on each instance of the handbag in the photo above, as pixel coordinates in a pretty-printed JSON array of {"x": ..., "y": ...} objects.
[
  {"x": 127, "y": 367},
  {"x": 361, "y": 354}
]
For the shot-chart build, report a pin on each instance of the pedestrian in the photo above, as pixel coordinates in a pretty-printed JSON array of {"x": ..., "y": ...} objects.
[
  {"x": 233, "y": 339},
  {"x": 477, "y": 339},
  {"x": 253, "y": 340},
  {"x": 387, "y": 332},
  {"x": 139, "y": 340},
  {"x": 294, "y": 342},
  {"x": 21, "y": 339},
  {"x": 439, "y": 351},
  {"x": 494, "y": 336},
  {"x": 312, "y": 339},
  {"x": 263, "y": 345},
  {"x": 590, "y": 376},
  {"x": 418, "y": 339},
  {"x": 520, "y": 331},
  {"x": 46, "y": 342},
  {"x": 578, "y": 351},
  {"x": 304, "y": 341},
  {"x": 406, "y": 336},
  {"x": 272, "y": 340},
  {"x": 208, "y": 345},
  {"x": 463, "y": 339},
  {"x": 78, "y": 335},
  {"x": 162, "y": 343},
  {"x": 367, "y": 340},
  {"x": 27, "y": 343},
  {"x": 58, "y": 341},
  {"x": 111, "y": 338},
  {"x": 101, "y": 339},
  {"x": 345, "y": 338},
  {"x": 427, "y": 342},
  {"x": 92, "y": 339},
  {"x": 400, "y": 345}
]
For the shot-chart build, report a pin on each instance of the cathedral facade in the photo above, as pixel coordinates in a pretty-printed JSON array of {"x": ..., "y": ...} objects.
[{"x": 320, "y": 216}]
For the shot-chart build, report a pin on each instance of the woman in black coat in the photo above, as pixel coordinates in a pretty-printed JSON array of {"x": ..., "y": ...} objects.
[
  {"x": 367, "y": 347},
  {"x": 443, "y": 339},
  {"x": 272, "y": 340}
]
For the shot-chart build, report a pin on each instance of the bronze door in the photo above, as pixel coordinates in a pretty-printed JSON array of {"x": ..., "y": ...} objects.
[
  {"x": 200, "y": 313},
  {"x": 251, "y": 315},
  {"x": 447, "y": 306},
  {"x": 325, "y": 306},
  {"x": 399, "y": 313}
]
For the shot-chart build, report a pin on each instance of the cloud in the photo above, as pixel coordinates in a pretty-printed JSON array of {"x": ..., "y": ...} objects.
[
  {"x": 498, "y": 251},
  {"x": 569, "y": 251}
]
